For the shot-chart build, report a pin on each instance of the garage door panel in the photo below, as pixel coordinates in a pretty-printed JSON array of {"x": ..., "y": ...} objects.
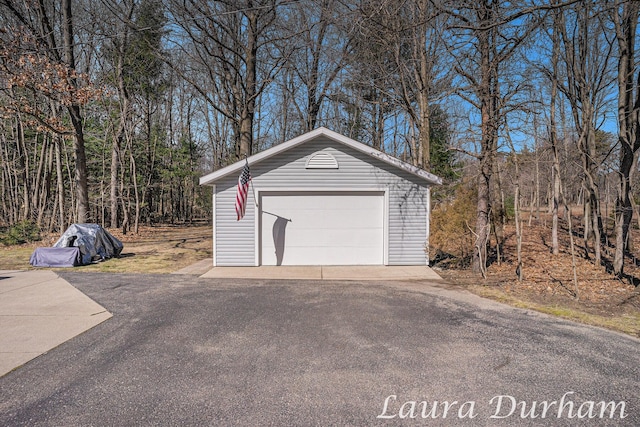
[
  {"x": 322, "y": 228},
  {"x": 332, "y": 217},
  {"x": 330, "y": 238},
  {"x": 357, "y": 212},
  {"x": 330, "y": 220},
  {"x": 330, "y": 256},
  {"x": 322, "y": 200}
]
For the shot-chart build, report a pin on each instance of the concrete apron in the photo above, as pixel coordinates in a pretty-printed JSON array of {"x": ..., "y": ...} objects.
[
  {"x": 325, "y": 272},
  {"x": 39, "y": 311}
]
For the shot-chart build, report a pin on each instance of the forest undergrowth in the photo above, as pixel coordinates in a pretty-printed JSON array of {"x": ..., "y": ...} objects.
[{"x": 548, "y": 285}]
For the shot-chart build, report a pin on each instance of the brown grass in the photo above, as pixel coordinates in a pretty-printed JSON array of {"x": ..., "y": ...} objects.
[{"x": 159, "y": 249}]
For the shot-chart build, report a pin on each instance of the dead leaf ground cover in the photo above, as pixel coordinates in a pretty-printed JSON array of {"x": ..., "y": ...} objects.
[{"x": 599, "y": 299}]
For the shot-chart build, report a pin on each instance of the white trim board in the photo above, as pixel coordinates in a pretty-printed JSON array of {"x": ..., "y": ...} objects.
[
  {"x": 214, "y": 251},
  {"x": 428, "y": 228}
]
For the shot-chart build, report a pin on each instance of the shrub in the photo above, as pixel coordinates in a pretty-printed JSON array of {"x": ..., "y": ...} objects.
[
  {"x": 451, "y": 239},
  {"x": 509, "y": 207},
  {"x": 21, "y": 232}
]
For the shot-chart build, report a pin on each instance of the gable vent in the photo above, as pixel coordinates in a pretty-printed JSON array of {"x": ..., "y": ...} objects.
[{"x": 322, "y": 160}]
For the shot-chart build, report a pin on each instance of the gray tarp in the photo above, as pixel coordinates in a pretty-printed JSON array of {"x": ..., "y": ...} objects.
[
  {"x": 55, "y": 257},
  {"x": 95, "y": 242},
  {"x": 81, "y": 244}
]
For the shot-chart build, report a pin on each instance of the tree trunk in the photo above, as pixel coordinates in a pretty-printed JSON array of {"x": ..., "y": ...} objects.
[
  {"x": 586, "y": 210},
  {"x": 553, "y": 139},
  {"x": 555, "y": 249},
  {"x": 537, "y": 177},
  {"x": 82, "y": 190},
  {"x": 39, "y": 180},
  {"x": 60, "y": 179},
  {"x": 516, "y": 205},
  {"x": 125, "y": 202},
  {"x": 23, "y": 159},
  {"x": 498, "y": 214},
  {"x": 117, "y": 145},
  {"x": 487, "y": 104},
  {"x": 425, "y": 84},
  {"x": 44, "y": 189},
  {"x": 113, "y": 185},
  {"x": 593, "y": 193},
  {"x": 134, "y": 177},
  {"x": 482, "y": 227},
  {"x": 628, "y": 113},
  {"x": 567, "y": 209},
  {"x": 248, "y": 110}
]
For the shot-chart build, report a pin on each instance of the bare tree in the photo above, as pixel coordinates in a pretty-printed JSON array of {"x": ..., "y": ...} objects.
[
  {"x": 485, "y": 35},
  {"x": 516, "y": 205},
  {"x": 45, "y": 33},
  {"x": 625, "y": 18},
  {"x": 399, "y": 56},
  {"x": 116, "y": 52},
  {"x": 82, "y": 189},
  {"x": 421, "y": 75},
  {"x": 232, "y": 43},
  {"x": 321, "y": 47},
  {"x": 586, "y": 56},
  {"x": 553, "y": 138}
]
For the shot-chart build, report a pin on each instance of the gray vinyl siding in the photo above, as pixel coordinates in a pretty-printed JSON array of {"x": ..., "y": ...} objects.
[{"x": 234, "y": 240}]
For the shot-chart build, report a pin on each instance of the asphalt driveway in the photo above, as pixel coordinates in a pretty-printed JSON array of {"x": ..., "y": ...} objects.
[{"x": 186, "y": 351}]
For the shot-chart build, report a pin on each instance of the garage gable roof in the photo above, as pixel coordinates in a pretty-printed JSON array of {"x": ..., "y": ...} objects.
[{"x": 235, "y": 168}]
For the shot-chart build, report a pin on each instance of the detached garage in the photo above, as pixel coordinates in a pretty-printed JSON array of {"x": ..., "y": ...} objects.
[{"x": 322, "y": 199}]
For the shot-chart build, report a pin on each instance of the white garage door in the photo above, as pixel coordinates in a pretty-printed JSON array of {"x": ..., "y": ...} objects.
[{"x": 322, "y": 228}]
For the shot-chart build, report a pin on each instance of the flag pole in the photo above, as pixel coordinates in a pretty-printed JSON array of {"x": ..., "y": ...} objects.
[{"x": 255, "y": 200}]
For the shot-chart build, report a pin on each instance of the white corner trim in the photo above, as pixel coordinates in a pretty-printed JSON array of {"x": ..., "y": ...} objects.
[
  {"x": 385, "y": 231},
  {"x": 214, "y": 252},
  {"x": 428, "y": 228},
  {"x": 257, "y": 228}
]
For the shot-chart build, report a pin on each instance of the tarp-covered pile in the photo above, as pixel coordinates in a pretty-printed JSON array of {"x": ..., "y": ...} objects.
[{"x": 81, "y": 244}]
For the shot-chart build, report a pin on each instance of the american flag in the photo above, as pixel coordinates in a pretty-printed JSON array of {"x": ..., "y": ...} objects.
[{"x": 243, "y": 188}]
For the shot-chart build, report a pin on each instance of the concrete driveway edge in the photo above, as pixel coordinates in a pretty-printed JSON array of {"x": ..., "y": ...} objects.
[{"x": 40, "y": 311}]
